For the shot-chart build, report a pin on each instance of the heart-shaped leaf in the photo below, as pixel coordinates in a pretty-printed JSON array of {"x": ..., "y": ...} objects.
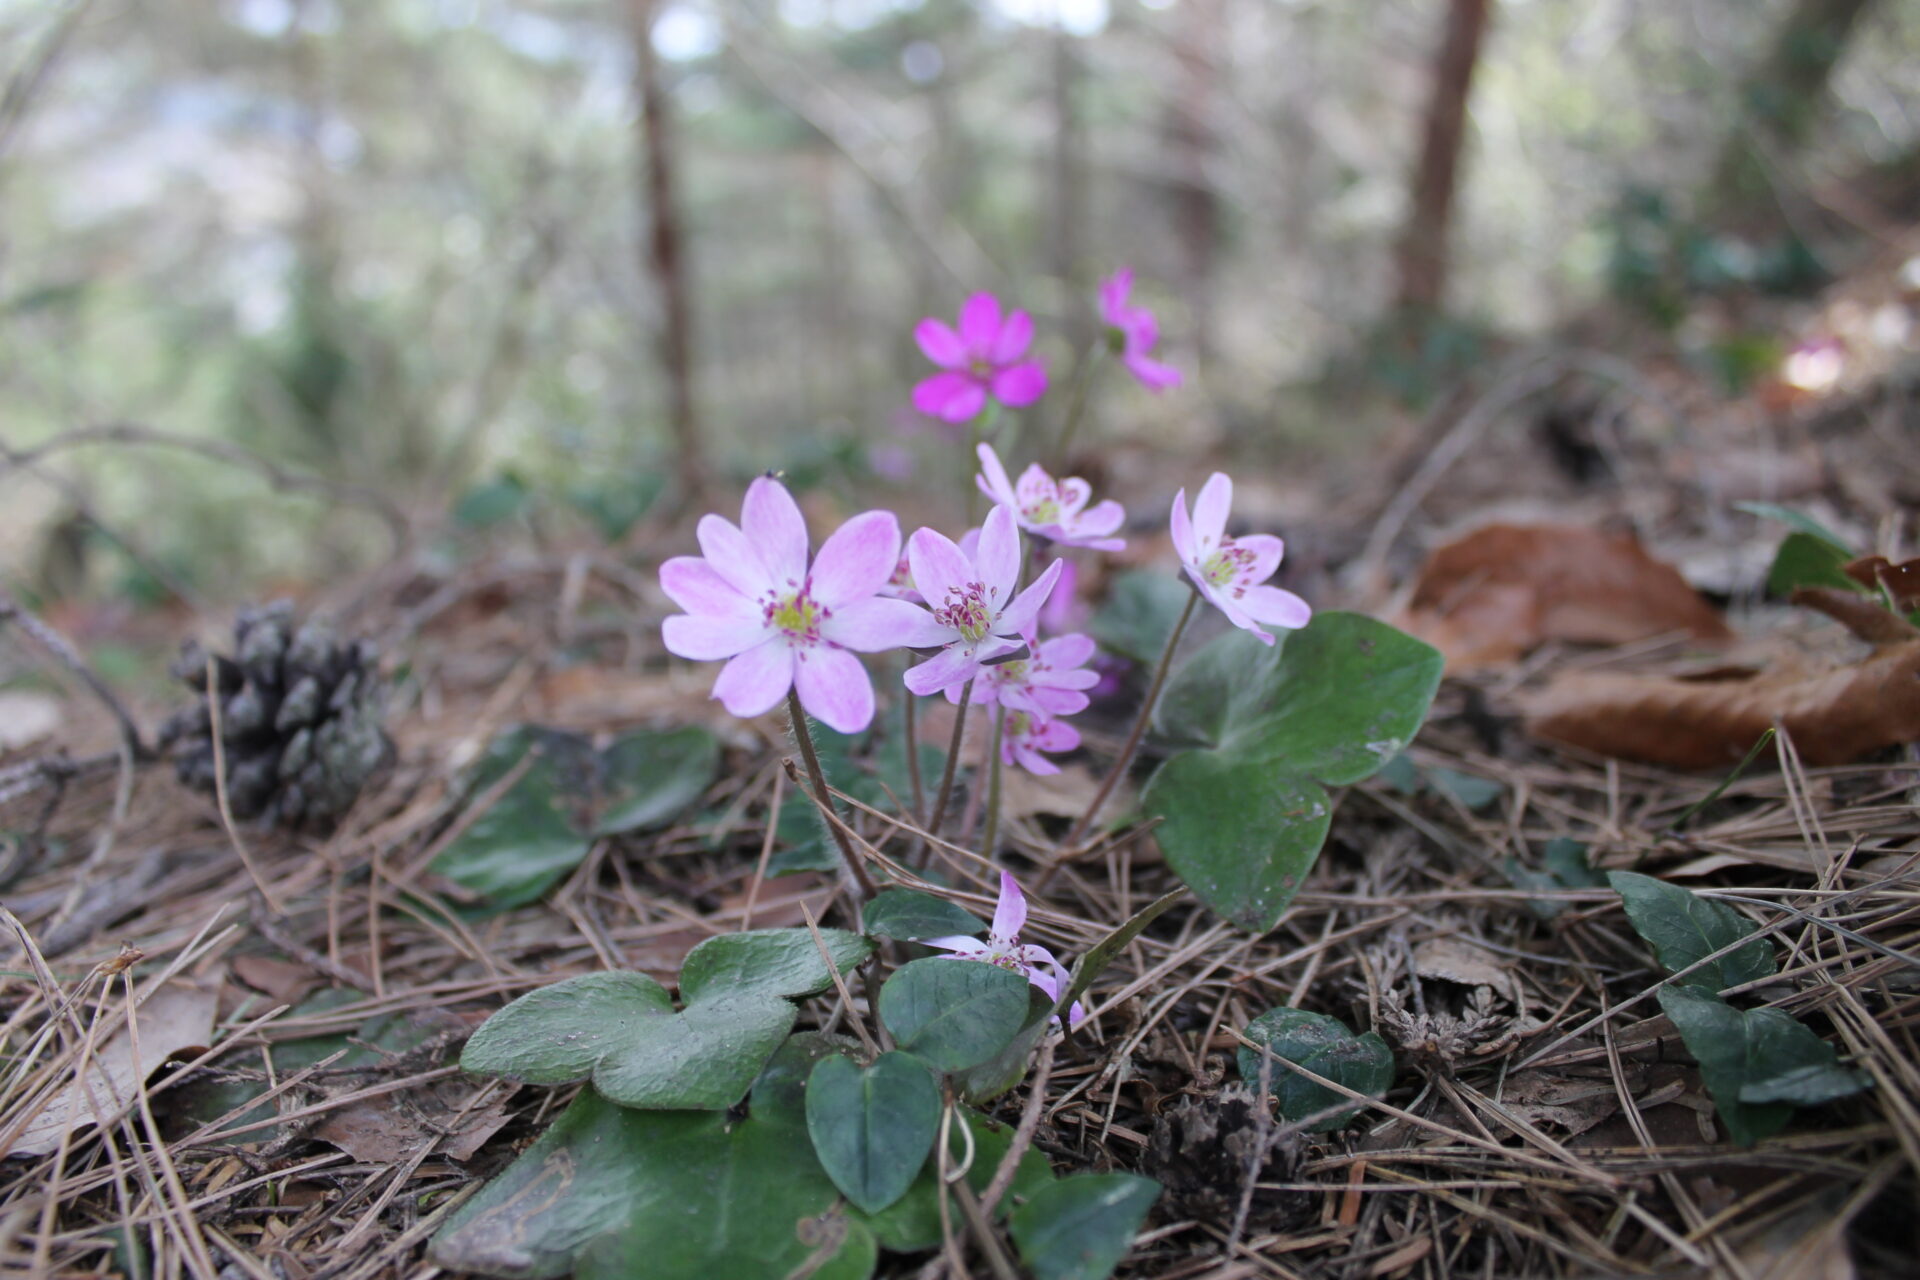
[
  {"x": 1684, "y": 927},
  {"x": 702, "y": 1058},
  {"x": 953, "y": 1013},
  {"x": 1080, "y": 1227},
  {"x": 908, "y": 914},
  {"x": 652, "y": 776},
  {"x": 558, "y": 1033},
  {"x": 611, "y": 1191},
  {"x": 912, "y": 1223},
  {"x": 873, "y": 1126},
  {"x": 1244, "y": 813},
  {"x": 1756, "y": 1063},
  {"x": 1141, "y": 610},
  {"x": 1324, "y": 1046},
  {"x": 773, "y": 962}
]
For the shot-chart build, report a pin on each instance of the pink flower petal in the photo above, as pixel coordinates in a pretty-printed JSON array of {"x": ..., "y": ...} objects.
[
  {"x": 1015, "y": 337},
  {"x": 834, "y": 688},
  {"x": 1050, "y": 701},
  {"x": 963, "y": 948},
  {"x": 1064, "y": 652},
  {"x": 1045, "y": 981},
  {"x": 730, "y": 555},
  {"x": 1266, "y": 551},
  {"x": 1113, "y": 295},
  {"x": 951, "y": 397},
  {"x": 878, "y": 624},
  {"x": 1210, "y": 513},
  {"x": 997, "y": 562},
  {"x": 1020, "y": 385},
  {"x": 1055, "y": 735},
  {"x": 691, "y": 583},
  {"x": 1017, "y": 618},
  {"x": 948, "y": 667},
  {"x": 1010, "y": 913},
  {"x": 940, "y": 344},
  {"x": 993, "y": 477},
  {"x": 1276, "y": 608},
  {"x": 939, "y": 570},
  {"x": 1102, "y": 519},
  {"x": 1035, "y": 487},
  {"x": 1030, "y": 760},
  {"x": 705, "y": 639},
  {"x": 1152, "y": 374},
  {"x": 980, "y": 325},
  {"x": 772, "y": 522},
  {"x": 856, "y": 561},
  {"x": 1181, "y": 531},
  {"x": 1072, "y": 494},
  {"x": 755, "y": 681}
]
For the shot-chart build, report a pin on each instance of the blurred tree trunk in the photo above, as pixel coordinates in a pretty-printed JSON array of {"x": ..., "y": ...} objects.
[
  {"x": 1192, "y": 132},
  {"x": 1782, "y": 99},
  {"x": 1421, "y": 260},
  {"x": 664, "y": 257},
  {"x": 1068, "y": 178}
]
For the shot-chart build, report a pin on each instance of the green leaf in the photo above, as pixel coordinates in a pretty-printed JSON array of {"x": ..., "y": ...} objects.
[
  {"x": 1080, "y": 1227},
  {"x": 1097, "y": 957},
  {"x": 1140, "y": 612},
  {"x": 953, "y": 1013},
  {"x": 1245, "y": 813},
  {"x": 909, "y": 915},
  {"x": 1474, "y": 792},
  {"x": 1762, "y": 1050},
  {"x": 493, "y": 502},
  {"x": 691, "y": 1193},
  {"x": 912, "y": 1223},
  {"x": 872, "y": 1127},
  {"x": 1806, "y": 561},
  {"x": 1683, "y": 927},
  {"x": 1324, "y": 1046},
  {"x": 652, "y": 777},
  {"x": 984, "y": 1081},
  {"x": 1566, "y": 868},
  {"x": 770, "y": 962},
  {"x": 1797, "y": 520},
  {"x": 700, "y": 1059},
  {"x": 558, "y": 1033}
]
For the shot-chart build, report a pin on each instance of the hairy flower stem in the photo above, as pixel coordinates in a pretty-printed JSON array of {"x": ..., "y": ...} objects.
[
  {"x": 953, "y": 759},
  {"x": 990, "y": 834},
  {"x": 824, "y": 798},
  {"x": 1077, "y": 406},
  {"x": 1125, "y": 759}
]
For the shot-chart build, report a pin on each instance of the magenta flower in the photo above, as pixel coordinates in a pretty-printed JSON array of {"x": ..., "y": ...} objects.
[
  {"x": 1025, "y": 735},
  {"x": 1136, "y": 331},
  {"x": 781, "y": 623},
  {"x": 1052, "y": 510},
  {"x": 1003, "y": 947},
  {"x": 1229, "y": 571},
  {"x": 981, "y": 360},
  {"x": 1048, "y": 683},
  {"x": 976, "y": 615}
]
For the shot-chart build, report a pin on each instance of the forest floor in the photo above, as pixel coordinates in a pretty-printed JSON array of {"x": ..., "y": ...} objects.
[{"x": 1545, "y": 1118}]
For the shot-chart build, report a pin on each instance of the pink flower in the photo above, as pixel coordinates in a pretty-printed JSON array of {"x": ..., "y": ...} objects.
[
  {"x": 1229, "y": 571},
  {"x": 754, "y": 600},
  {"x": 1003, "y": 947},
  {"x": 1025, "y": 735},
  {"x": 899, "y": 586},
  {"x": 1136, "y": 331},
  {"x": 1052, "y": 510},
  {"x": 1048, "y": 683},
  {"x": 981, "y": 360},
  {"x": 976, "y": 614},
  {"x": 1064, "y": 609}
]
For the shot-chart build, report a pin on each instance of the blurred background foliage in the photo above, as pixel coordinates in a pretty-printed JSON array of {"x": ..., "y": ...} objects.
[{"x": 408, "y": 246}]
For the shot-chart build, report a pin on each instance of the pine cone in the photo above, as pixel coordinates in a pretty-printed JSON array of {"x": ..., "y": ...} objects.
[{"x": 300, "y": 715}]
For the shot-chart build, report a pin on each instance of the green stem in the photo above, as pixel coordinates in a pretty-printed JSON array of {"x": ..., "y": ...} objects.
[
  {"x": 990, "y": 836},
  {"x": 953, "y": 759},
  {"x": 1076, "y": 407},
  {"x": 1139, "y": 731},
  {"x": 823, "y": 797}
]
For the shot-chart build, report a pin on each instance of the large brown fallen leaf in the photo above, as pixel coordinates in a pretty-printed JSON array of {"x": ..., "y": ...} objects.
[
  {"x": 172, "y": 1020},
  {"x": 391, "y": 1128},
  {"x": 1834, "y": 714},
  {"x": 1495, "y": 594}
]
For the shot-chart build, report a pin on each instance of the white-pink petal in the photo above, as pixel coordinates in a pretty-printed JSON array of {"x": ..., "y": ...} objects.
[
  {"x": 856, "y": 561},
  {"x": 771, "y": 521},
  {"x": 1181, "y": 531},
  {"x": 706, "y": 638},
  {"x": 1210, "y": 512},
  {"x": 998, "y": 559},
  {"x": 1018, "y": 617},
  {"x": 834, "y": 688},
  {"x": 1276, "y": 608},
  {"x": 938, "y": 567},
  {"x": 1010, "y": 912},
  {"x": 993, "y": 477},
  {"x": 692, "y": 583},
  {"x": 753, "y": 683},
  {"x": 732, "y": 556}
]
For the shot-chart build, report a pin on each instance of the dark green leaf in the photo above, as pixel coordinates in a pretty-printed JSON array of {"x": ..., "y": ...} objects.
[
  {"x": 1684, "y": 927},
  {"x": 984, "y": 1081},
  {"x": 493, "y": 502},
  {"x": 1097, "y": 957},
  {"x": 872, "y": 1127},
  {"x": 1080, "y": 1227},
  {"x": 1242, "y": 834},
  {"x": 652, "y": 777},
  {"x": 1140, "y": 612},
  {"x": 700, "y": 1059},
  {"x": 912, "y": 1223},
  {"x": 953, "y": 1013},
  {"x": 908, "y": 914},
  {"x": 528, "y": 839},
  {"x": 1567, "y": 860},
  {"x": 558, "y": 1033},
  {"x": 1763, "y": 1050},
  {"x": 770, "y": 962},
  {"x": 1324, "y": 1046},
  {"x": 1475, "y": 793},
  {"x": 1806, "y": 561}
]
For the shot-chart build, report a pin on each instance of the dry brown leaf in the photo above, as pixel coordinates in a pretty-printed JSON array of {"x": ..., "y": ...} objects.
[
  {"x": 1901, "y": 581},
  {"x": 1835, "y": 715},
  {"x": 1497, "y": 593},
  {"x": 1059, "y": 795},
  {"x": 392, "y": 1128},
  {"x": 172, "y": 1020},
  {"x": 1573, "y": 1103}
]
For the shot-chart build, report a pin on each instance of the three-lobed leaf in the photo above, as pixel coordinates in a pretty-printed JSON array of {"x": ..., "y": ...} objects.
[
  {"x": 953, "y": 1013},
  {"x": 558, "y": 1034},
  {"x": 873, "y": 1126},
  {"x": 1325, "y": 1046},
  {"x": 1080, "y": 1227},
  {"x": 1683, "y": 928},
  {"x": 772, "y": 962}
]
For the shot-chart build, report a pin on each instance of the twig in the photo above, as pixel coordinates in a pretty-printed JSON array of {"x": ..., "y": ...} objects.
[
  {"x": 1009, "y": 1165},
  {"x": 53, "y": 642}
]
